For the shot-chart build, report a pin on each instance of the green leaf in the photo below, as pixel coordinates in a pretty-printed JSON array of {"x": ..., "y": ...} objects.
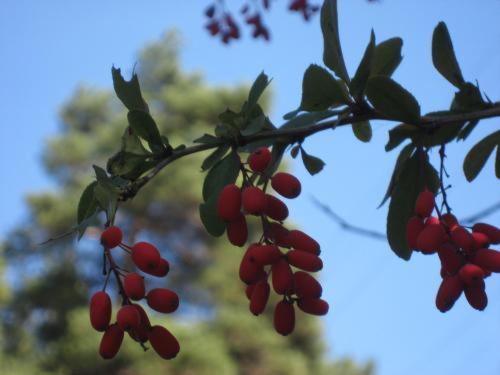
[
  {"x": 320, "y": 90},
  {"x": 358, "y": 83},
  {"x": 290, "y": 115},
  {"x": 87, "y": 205},
  {"x": 103, "y": 178},
  {"x": 332, "y": 51},
  {"x": 258, "y": 87},
  {"x": 466, "y": 130},
  {"x": 416, "y": 175},
  {"x": 387, "y": 57},
  {"x": 145, "y": 127},
  {"x": 362, "y": 130},
  {"x": 132, "y": 144},
  {"x": 207, "y": 138},
  {"x": 404, "y": 155},
  {"x": 223, "y": 173},
  {"x": 208, "y": 215},
  {"x": 214, "y": 157},
  {"x": 400, "y": 133},
  {"x": 468, "y": 98},
  {"x": 478, "y": 155},
  {"x": 107, "y": 199},
  {"x": 85, "y": 223},
  {"x": 255, "y": 125},
  {"x": 443, "y": 56},
  {"x": 312, "y": 163},
  {"x": 307, "y": 119},
  {"x": 392, "y": 100},
  {"x": 129, "y": 92},
  {"x": 128, "y": 165},
  {"x": 441, "y": 135}
]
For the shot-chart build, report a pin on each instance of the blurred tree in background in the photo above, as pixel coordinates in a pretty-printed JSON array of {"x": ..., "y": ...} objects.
[{"x": 45, "y": 326}]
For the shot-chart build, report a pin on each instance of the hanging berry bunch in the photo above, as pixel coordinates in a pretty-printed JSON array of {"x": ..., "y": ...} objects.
[
  {"x": 281, "y": 257},
  {"x": 131, "y": 317}
]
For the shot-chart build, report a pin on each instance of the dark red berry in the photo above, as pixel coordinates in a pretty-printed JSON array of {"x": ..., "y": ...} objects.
[
  {"x": 305, "y": 261},
  {"x": 301, "y": 241},
  {"x": 100, "y": 311},
  {"x": 111, "y": 237},
  {"x": 479, "y": 241},
  {"x": 451, "y": 259},
  {"x": 163, "y": 342},
  {"x": 278, "y": 234},
  {"x": 249, "y": 290},
  {"x": 253, "y": 200},
  {"x": 449, "y": 291},
  {"x": 286, "y": 185},
  {"x": 162, "y": 269},
  {"x": 128, "y": 318},
  {"x": 476, "y": 296},
  {"x": 471, "y": 274},
  {"x": 282, "y": 277},
  {"x": 259, "y": 159},
  {"x": 425, "y": 203},
  {"x": 250, "y": 272},
  {"x": 265, "y": 254},
  {"x": 284, "y": 318},
  {"x": 491, "y": 231},
  {"x": 111, "y": 342},
  {"x": 229, "y": 203},
  {"x": 306, "y": 286},
  {"x": 163, "y": 300},
  {"x": 134, "y": 287},
  {"x": 145, "y": 256},
  {"x": 414, "y": 226},
  {"x": 487, "y": 259},
  {"x": 461, "y": 237},
  {"x": 431, "y": 237},
  {"x": 237, "y": 231},
  {"x": 276, "y": 209},
  {"x": 449, "y": 220},
  {"x": 314, "y": 306},
  {"x": 259, "y": 298}
]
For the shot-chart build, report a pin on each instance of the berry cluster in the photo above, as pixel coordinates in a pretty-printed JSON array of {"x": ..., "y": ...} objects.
[
  {"x": 303, "y": 7},
  {"x": 466, "y": 259},
  {"x": 279, "y": 250},
  {"x": 131, "y": 317}
]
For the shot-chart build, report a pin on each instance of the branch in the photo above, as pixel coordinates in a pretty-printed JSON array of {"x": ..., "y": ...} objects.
[{"x": 297, "y": 134}]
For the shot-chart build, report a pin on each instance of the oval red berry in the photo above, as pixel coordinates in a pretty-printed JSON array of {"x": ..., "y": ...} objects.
[{"x": 100, "y": 311}]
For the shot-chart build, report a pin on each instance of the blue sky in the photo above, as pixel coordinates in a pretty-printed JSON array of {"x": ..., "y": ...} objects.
[{"x": 382, "y": 308}]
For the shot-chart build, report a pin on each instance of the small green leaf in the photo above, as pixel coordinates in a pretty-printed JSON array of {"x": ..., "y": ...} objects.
[
  {"x": 466, "y": 130},
  {"x": 332, "y": 51},
  {"x": 145, "y": 127},
  {"x": 468, "y": 98},
  {"x": 87, "y": 205},
  {"x": 128, "y": 165},
  {"x": 441, "y": 135},
  {"x": 255, "y": 125},
  {"x": 207, "y": 138},
  {"x": 208, "y": 215},
  {"x": 132, "y": 144},
  {"x": 307, "y": 119},
  {"x": 107, "y": 199},
  {"x": 214, "y": 157},
  {"x": 358, "y": 82},
  {"x": 392, "y": 100},
  {"x": 400, "y": 133},
  {"x": 387, "y": 57},
  {"x": 415, "y": 176},
  {"x": 223, "y": 173},
  {"x": 443, "y": 56},
  {"x": 478, "y": 155},
  {"x": 103, "y": 178},
  {"x": 362, "y": 130},
  {"x": 290, "y": 115},
  {"x": 258, "y": 87},
  {"x": 312, "y": 163},
  {"x": 129, "y": 92},
  {"x": 320, "y": 90},
  {"x": 85, "y": 223}
]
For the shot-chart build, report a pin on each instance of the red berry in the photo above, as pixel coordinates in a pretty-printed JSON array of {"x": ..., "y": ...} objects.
[
  {"x": 449, "y": 220},
  {"x": 128, "y": 318},
  {"x": 100, "y": 311},
  {"x": 479, "y": 241},
  {"x": 462, "y": 238},
  {"x": 259, "y": 159},
  {"x": 476, "y": 296},
  {"x": 425, "y": 203},
  {"x": 449, "y": 291},
  {"x": 282, "y": 277},
  {"x": 163, "y": 342},
  {"x": 111, "y": 342},
  {"x": 284, "y": 318},
  {"x": 140, "y": 333},
  {"x": 253, "y": 200},
  {"x": 432, "y": 220},
  {"x": 259, "y": 298},
  {"x": 249, "y": 290},
  {"x": 491, "y": 231},
  {"x": 314, "y": 306},
  {"x": 250, "y": 272},
  {"x": 414, "y": 226},
  {"x": 306, "y": 286},
  {"x": 471, "y": 274},
  {"x": 487, "y": 259},
  {"x": 276, "y": 209},
  {"x": 278, "y": 234},
  {"x": 304, "y": 261},
  {"x": 162, "y": 269},
  {"x": 237, "y": 231},
  {"x": 301, "y": 241},
  {"x": 144, "y": 316},
  {"x": 229, "y": 203},
  {"x": 265, "y": 254},
  {"x": 145, "y": 256},
  {"x": 133, "y": 284},
  {"x": 163, "y": 300},
  {"x": 431, "y": 237},
  {"x": 111, "y": 237},
  {"x": 451, "y": 259},
  {"x": 286, "y": 185}
]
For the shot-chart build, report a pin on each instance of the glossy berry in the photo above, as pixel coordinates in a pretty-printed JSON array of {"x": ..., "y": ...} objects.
[
  {"x": 259, "y": 159},
  {"x": 111, "y": 237},
  {"x": 487, "y": 259},
  {"x": 140, "y": 333},
  {"x": 163, "y": 300},
  {"x": 249, "y": 290},
  {"x": 424, "y": 204},
  {"x": 265, "y": 254},
  {"x": 163, "y": 342},
  {"x": 100, "y": 311},
  {"x": 479, "y": 241},
  {"x": 314, "y": 306},
  {"x": 237, "y": 231},
  {"x": 284, "y": 318},
  {"x": 286, "y": 185},
  {"x": 449, "y": 291},
  {"x": 476, "y": 296},
  {"x": 162, "y": 269},
  {"x": 111, "y": 342},
  {"x": 431, "y": 237},
  {"x": 461, "y": 237},
  {"x": 414, "y": 226},
  {"x": 278, "y": 234},
  {"x": 451, "y": 259},
  {"x": 229, "y": 203},
  {"x": 301, "y": 241},
  {"x": 259, "y": 298},
  {"x": 449, "y": 220},
  {"x": 491, "y": 231},
  {"x": 306, "y": 286},
  {"x": 282, "y": 277},
  {"x": 134, "y": 287},
  {"x": 253, "y": 200},
  {"x": 305, "y": 261},
  {"x": 145, "y": 256},
  {"x": 128, "y": 318},
  {"x": 470, "y": 274},
  {"x": 250, "y": 271},
  {"x": 276, "y": 209}
]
